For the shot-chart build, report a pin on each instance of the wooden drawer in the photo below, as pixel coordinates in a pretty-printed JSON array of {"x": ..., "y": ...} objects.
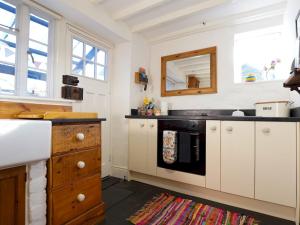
[
  {"x": 91, "y": 217},
  {"x": 66, "y": 204},
  {"x": 67, "y": 138},
  {"x": 71, "y": 167}
]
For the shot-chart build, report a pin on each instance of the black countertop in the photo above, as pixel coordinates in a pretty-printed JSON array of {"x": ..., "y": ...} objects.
[
  {"x": 64, "y": 121},
  {"x": 218, "y": 117}
]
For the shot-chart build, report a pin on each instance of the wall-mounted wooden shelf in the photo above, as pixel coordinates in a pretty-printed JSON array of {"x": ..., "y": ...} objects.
[{"x": 137, "y": 78}]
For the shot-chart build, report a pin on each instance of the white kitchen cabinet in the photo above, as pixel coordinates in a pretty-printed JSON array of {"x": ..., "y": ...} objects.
[
  {"x": 143, "y": 145},
  {"x": 237, "y": 158},
  {"x": 138, "y": 144},
  {"x": 275, "y": 162},
  {"x": 213, "y": 154},
  {"x": 152, "y": 147}
]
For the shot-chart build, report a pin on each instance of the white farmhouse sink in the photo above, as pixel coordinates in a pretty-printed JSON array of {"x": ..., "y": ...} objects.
[{"x": 24, "y": 141}]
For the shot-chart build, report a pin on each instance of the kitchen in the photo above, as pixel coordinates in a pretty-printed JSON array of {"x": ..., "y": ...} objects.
[{"x": 120, "y": 60}]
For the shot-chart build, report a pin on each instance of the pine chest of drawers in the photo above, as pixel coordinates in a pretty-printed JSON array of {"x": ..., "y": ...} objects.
[{"x": 74, "y": 174}]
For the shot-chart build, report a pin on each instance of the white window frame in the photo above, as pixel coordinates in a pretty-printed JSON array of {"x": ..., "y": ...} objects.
[
  {"x": 50, "y": 58},
  {"x": 92, "y": 40},
  {"x": 16, "y": 32},
  {"x": 258, "y": 32},
  {"x": 22, "y": 42}
]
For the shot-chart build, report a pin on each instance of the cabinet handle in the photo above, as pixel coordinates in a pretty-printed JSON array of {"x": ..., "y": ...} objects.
[
  {"x": 266, "y": 130},
  {"x": 142, "y": 125},
  {"x": 80, "y": 136},
  {"x": 80, "y": 197},
  {"x": 213, "y": 128},
  {"x": 151, "y": 125},
  {"x": 229, "y": 129},
  {"x": 80, "y": 164}
]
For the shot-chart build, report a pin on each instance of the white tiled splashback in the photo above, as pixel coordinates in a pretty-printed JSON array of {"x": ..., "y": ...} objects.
[{"x": 36, "y": 196}]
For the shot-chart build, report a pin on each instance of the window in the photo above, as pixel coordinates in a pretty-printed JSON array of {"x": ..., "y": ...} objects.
[
  {"x": 37, "y": 56},
  {"x": 258, "y": 56},
  {"x": 8, "y": 37},
  {"x": 33, "y": 35},
  {"x": 88, "y": 60}
]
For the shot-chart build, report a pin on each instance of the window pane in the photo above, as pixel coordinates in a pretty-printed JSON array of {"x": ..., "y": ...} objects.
[
  {"x": 77, "y": 66},
  {"x": 87, "y": 60},
  {"x": 7, "y": 79},
  {"x": 77, "y": 48},
  {"x": 38, "y": 29},
  {"x": 101, "y": 57},
  {"x": 7, "y": 63},
  {"x": 90, "y": 53},
  {"x": 90, "y": 69},
  {"x": 100, "y": 72},
  {"x": 7, "y": 14},
  {"x": 40, "y": 62},
  {"x": 37, "y": 83},
  {"x": 37, "y": 56},
  {"x": 38, "y": 46},
  {"x": 7, "y": 48}
]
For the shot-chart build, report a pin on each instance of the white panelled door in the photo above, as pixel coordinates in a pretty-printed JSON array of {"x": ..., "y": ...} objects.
[
  {"x": 275, "y": 164},
  {"x": 213, "y": 154},
  {"x": 96, "y": 99},
  {"x": 237, "y": 157},
  {"x": 143, "y": 145}
]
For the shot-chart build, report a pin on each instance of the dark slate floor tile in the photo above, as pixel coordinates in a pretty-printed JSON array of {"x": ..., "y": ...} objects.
[{"x": 124, "y": 198}]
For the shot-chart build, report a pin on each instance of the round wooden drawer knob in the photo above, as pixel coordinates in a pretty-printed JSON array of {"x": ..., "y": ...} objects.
[
  {"x": 80, "y": 197},
  {"x": 80, "y": 164},
  {"x": 80, "y": 136}
]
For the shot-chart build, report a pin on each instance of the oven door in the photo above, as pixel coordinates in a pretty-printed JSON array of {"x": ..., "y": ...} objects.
[{"x": 190, "y": 145}]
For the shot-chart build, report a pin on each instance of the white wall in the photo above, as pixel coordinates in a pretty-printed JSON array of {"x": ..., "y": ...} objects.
[
  {"x": 60, "y": 56},
  {"x": 125, "y": 94},
  {"x": 229, "y": 95},
  {"x": 120, "y": 106},
  {"x": 140, "y": 58}
]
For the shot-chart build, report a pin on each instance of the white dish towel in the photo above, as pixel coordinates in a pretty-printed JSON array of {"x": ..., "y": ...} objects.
[{"x": 169, "y": 146}]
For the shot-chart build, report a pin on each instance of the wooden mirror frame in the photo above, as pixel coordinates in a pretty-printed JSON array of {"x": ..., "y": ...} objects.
[{"x": 192, "y": 91}]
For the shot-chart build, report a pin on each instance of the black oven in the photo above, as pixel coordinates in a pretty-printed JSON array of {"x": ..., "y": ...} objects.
[{"x": 190, "y": 145}]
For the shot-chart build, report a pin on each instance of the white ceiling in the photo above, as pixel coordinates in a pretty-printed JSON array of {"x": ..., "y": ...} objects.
[{"x": 161, "y": 19}]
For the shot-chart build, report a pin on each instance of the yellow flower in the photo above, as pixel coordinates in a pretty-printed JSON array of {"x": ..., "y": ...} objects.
[{"x": 146, "y": 101}]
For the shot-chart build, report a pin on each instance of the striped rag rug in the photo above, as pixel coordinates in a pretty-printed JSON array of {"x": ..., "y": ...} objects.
[{"x": 166, "y": 209}]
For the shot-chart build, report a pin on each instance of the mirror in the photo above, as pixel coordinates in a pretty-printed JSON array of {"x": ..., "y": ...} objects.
[{"x": 189, "y": 73}]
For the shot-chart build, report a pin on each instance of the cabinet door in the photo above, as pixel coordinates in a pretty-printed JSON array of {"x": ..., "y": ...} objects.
[
  {"x": 213, "y": 154},
  {"x": 237, "y": 158},
  {"x": 152, "y": 147},
  {"x": 138, "y": 145},
  {"x": 275, "y": 163},
  {"x": 12, "y": 196}
]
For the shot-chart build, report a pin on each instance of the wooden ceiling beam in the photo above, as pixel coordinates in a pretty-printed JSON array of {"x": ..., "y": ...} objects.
[
  {"x": 97, "y": 1},
  {"x": 137, "y": 8},
  {"x": 177, "y": 14},
  {"x": 270, "y": 11}
]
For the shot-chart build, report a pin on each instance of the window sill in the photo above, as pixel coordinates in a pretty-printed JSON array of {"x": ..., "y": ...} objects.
[
  {"x": 89, "y": 78},
  {"x": 261, "y": 82},
  {"x": 35, "y": 99}
]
